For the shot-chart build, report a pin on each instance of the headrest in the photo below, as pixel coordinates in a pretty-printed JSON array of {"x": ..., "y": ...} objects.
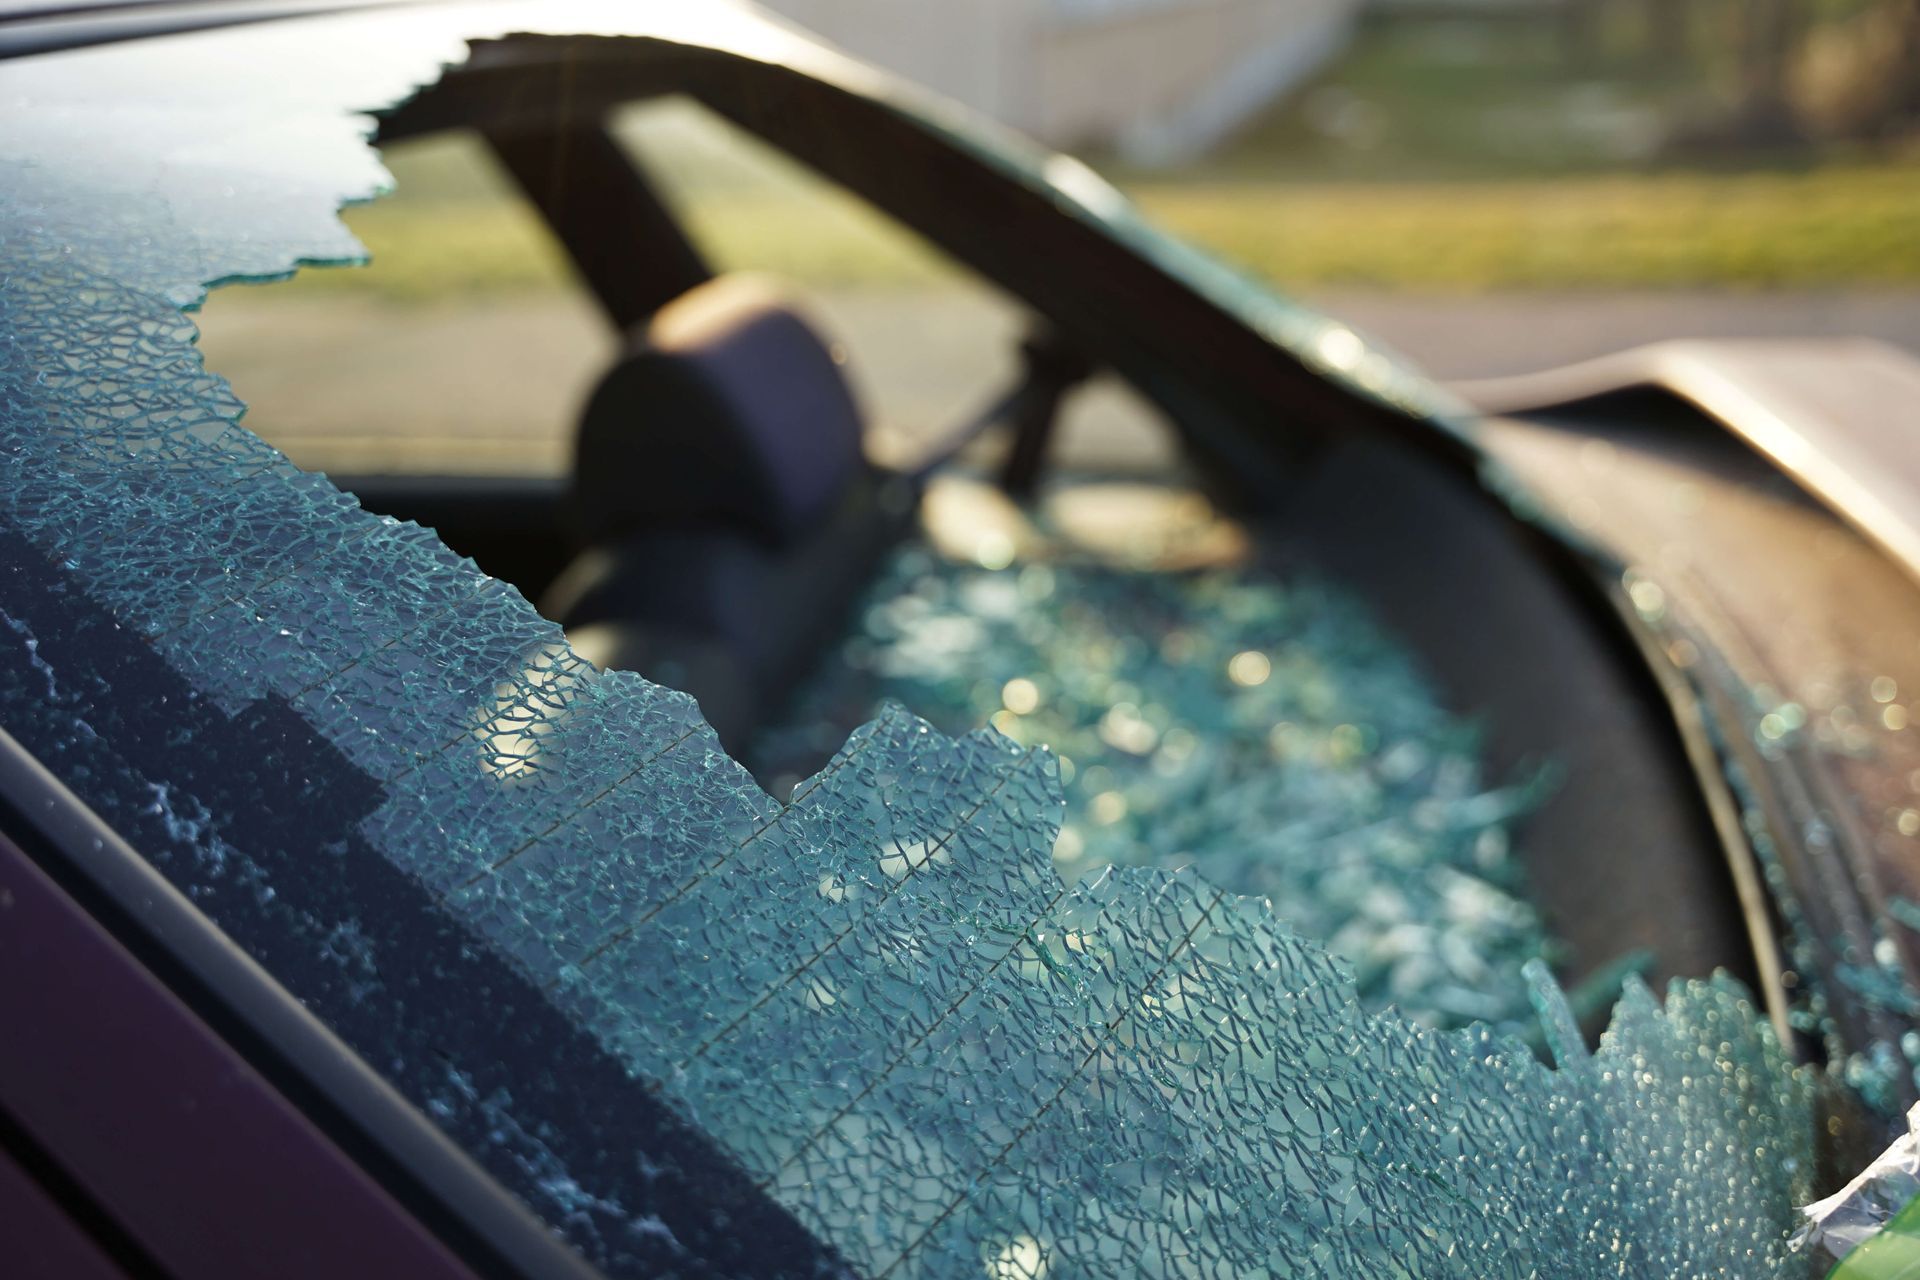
[{"x": 727, "y": 409}]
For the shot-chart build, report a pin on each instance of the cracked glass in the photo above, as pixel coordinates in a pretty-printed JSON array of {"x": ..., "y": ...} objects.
[{"x": 869, "y": 1030}]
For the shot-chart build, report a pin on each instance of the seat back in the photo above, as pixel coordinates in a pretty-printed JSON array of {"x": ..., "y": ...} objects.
[
  {"x": 730, "y": 514},
  {"x": 728, "y": 410}
]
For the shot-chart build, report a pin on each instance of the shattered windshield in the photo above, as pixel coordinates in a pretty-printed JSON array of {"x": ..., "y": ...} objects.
[{"x": 899, "y": 1022}]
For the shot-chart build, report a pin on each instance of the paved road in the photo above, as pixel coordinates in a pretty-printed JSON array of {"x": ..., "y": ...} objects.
[
  {"x": 1498, "y": 334},
  {"x": 494, "y": 384}
]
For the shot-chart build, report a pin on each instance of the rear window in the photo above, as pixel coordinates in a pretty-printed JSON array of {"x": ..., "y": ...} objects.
[{"x": 867, "y": 1026}]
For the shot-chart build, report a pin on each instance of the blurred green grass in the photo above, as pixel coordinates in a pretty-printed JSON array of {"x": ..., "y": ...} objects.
[
  {"x": 1419, "y": 99},
  {"x": 1852, "y": 226}
]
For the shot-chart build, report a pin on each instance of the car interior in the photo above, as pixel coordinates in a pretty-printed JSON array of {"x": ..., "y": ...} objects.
[{"x": 725, "y": 514}]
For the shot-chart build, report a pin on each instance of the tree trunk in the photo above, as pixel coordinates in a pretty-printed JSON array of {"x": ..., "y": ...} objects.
[
  {"x": 1906, "y": 66},
  {"x": 1668, "y": 28},
  {"x": 1580, "y": 31},
  {"x": 1771, "y": 33}
]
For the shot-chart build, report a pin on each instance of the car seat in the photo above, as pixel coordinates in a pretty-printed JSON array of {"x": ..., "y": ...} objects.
[{"x": 729, "y": 513}]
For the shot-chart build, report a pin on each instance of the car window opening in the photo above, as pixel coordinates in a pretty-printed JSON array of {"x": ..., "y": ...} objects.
[{"x": 752, "y": 517}]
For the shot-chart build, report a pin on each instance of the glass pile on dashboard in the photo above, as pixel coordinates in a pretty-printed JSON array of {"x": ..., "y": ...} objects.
[
  {"x": 645, "y": 994},
  {"x": 1264, "y": 732}
]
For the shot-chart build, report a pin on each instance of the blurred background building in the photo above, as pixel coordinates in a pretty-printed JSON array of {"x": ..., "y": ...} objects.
[{"x": 1153, "y": 80}]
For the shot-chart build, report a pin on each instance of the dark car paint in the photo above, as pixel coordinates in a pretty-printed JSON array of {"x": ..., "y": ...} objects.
[{"x": 159, "y": 1098}]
